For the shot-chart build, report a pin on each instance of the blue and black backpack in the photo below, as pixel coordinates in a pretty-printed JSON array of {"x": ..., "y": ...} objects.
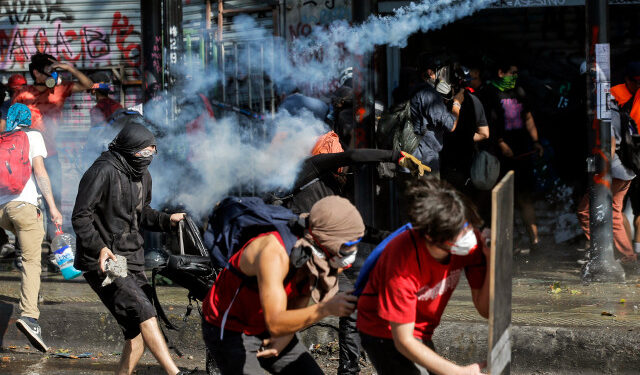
[{"x": 236, "y": 220}]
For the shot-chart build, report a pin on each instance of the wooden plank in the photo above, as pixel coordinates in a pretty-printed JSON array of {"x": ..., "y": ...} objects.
[{"x": 499, "y": 354}]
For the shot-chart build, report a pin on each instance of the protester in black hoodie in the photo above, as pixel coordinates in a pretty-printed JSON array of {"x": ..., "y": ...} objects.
[{"x": 111, "y": 208}]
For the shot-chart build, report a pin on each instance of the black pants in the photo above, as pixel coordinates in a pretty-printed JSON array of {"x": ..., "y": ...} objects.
[
  {"x": 236, "y": 353},
  {"x": 348, "y": 338},
  {"x": 387, "y": 360},
  {"x": 127, "y": 298}
]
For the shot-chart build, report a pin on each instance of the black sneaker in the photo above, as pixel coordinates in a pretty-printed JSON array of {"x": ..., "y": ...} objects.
[{"x": 31, "y": 329}]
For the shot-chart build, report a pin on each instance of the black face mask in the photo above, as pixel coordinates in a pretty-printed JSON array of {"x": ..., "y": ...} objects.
[
  {"x": 130, "y": 140},
  {"x": 140, "y": 163}
]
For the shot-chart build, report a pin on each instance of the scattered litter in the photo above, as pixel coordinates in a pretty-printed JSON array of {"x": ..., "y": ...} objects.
[
  {"x": 555, "y": 287},
  {"x": 65, "y": 353},
  {"x": 606, "y": 313}
]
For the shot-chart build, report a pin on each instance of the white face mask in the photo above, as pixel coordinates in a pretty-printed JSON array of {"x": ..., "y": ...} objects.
[
  {"x": 336, "y": 261},
  {"x": 465, "y": 244},
  {"x": 343, "y": 261}
]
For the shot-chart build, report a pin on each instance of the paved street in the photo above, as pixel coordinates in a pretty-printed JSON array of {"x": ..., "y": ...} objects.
[{"x": 559, "y": 325}]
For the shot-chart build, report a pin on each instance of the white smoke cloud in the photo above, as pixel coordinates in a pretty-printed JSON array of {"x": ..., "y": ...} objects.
[{"x": 229, "y": 155}]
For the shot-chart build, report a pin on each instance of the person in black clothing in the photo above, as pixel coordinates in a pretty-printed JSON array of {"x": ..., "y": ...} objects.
[
  {"x": 317, "y": 178},
  {"x": 516, "y": 136},
  {"x": 435, "y": 109},
  {"x": 111, "y": 209},
  {"x": 458, "y": 149}
]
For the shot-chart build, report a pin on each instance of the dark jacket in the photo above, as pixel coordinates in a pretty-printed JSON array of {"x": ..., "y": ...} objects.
[
  {"x": 316, "y": 178},
  {"x": 431, "y": 119},
  {"x": 109, "y": 211}
]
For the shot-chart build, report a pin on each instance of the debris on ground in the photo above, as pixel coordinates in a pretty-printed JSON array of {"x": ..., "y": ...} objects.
[{"x": 66, "y": 353}]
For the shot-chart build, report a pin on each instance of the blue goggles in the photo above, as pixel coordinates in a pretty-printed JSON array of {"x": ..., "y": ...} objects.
[{"x": 354, "y": 242}]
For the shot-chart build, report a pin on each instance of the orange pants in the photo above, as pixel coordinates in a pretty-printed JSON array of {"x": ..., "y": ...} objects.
[{"x": 620, "y": 239}]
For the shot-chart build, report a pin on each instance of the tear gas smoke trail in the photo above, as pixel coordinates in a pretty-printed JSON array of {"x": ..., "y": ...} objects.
[
  {"x": 316, "y": 60},
  {"x": 223, "y": 157}
]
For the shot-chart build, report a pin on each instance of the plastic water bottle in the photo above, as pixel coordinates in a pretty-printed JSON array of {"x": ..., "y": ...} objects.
[{"x": 64, "y": 254}]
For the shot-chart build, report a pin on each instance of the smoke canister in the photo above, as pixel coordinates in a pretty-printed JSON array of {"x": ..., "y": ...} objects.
[{"x": 64, "y": 254}]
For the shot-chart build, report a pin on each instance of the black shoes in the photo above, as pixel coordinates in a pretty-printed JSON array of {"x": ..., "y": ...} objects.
[{"x": 31, "y": 329}]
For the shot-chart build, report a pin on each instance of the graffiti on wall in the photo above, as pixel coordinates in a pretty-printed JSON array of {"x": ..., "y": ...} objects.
[
  {"x": 48, "y": 26},
  {"x": 305, "y": 15}
]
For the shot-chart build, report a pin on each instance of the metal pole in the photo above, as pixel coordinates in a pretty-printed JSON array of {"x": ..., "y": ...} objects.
[
  {"x": 363, "y": 115},
  {"x": 175, "y": 55},
  {"x": 602, "y": 265},
  {"x": 151, "y": 48}
]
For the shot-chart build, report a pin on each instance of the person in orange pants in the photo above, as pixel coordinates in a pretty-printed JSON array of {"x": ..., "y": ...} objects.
[
  {"x": 624, "y": 100},
  {"x": 621, "y": 241}
]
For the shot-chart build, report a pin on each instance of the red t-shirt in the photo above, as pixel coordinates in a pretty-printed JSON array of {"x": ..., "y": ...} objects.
[
  {"x": 46, "y": 110},
  {"x": 245, "y": 310},
  {"x": 408, "y": 286},
  {"x": 103, "y": 109}
]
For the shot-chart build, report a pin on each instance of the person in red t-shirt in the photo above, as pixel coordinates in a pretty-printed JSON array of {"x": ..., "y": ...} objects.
[
  {"x": 261, "y": 299},
  {"x": 412, "y": 281},
  {"x": 46, "y": 98},
  {"x": 105, "y": 106}
]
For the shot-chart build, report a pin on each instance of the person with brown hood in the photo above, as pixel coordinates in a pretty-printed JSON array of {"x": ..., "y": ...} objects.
[{"x": 261, "y": 299}]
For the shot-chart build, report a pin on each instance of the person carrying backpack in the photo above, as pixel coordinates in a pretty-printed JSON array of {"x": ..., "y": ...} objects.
[
  {"x": 22, "y": 154},
  {"x": 111, "y": 210},
  {"x": 261, "y": 299},
  {"x": 411, "y": 282},
  {"x": 625, "y": 117}
]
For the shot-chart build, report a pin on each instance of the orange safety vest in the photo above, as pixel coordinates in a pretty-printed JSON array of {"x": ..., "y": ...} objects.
[{"x": 622, "y": 95}]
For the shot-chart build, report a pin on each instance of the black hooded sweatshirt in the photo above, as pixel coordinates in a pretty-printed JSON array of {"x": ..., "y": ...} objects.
[{"x": 113, "y": 203}]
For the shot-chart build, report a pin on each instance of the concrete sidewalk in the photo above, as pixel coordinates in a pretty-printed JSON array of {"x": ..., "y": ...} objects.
[{"x": 559, "y": 325}]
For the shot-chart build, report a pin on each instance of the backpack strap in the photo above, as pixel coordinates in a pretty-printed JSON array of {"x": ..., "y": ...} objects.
[
  {"x": 162, "y": 315},
  {"x": 625, "y": 115},
  {"x": 156, "y": 302},
  {"x": 415, "y": 246}
]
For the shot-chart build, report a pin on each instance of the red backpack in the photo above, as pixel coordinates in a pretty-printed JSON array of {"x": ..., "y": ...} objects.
[{"x": 15, "y": 167}]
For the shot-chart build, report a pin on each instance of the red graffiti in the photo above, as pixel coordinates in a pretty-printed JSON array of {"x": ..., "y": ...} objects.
[
  {"x": 600, "y": 178},
  {"x": 64, "y": 43},
  {"x": 121, "y": 28},
  {"x": 18, "y": 50},
  {"x": 41, "y": 41}
]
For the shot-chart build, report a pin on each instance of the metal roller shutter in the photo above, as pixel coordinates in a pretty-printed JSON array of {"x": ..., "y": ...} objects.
[{"x": 93, "y": 35}]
